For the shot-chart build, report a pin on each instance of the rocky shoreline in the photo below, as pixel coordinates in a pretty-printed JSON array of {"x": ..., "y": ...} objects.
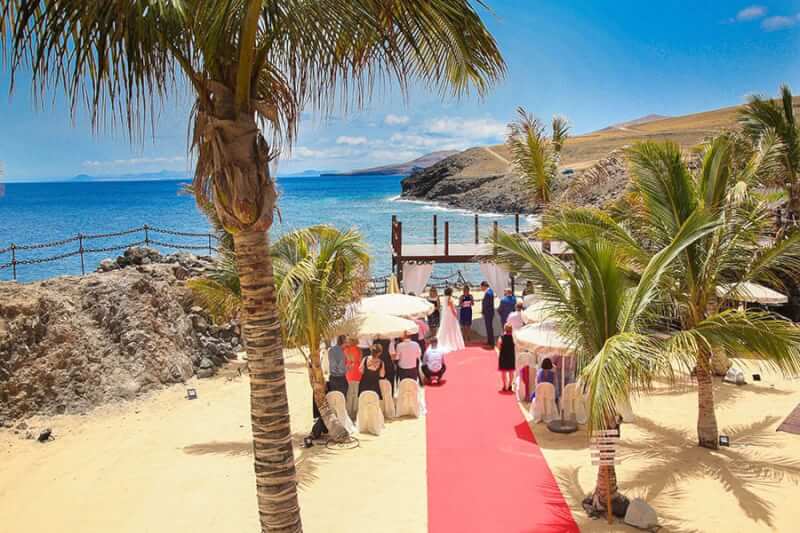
[{"x": 70, "y": 343}]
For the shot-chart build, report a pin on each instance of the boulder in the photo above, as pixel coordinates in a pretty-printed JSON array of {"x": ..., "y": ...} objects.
[
  {"x": 641, "y": 515},
  {"x": 106, "y": 265}
]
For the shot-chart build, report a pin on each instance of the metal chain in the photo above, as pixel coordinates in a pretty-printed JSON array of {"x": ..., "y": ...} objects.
[
  {"x": 47, "y": 259},
  {"x": 4, "y": 266},
  {"x": 181, "y": 233},
  {"x": 112, "y": 248},
  {"x": 47, "y": 244},
  {"x": 180, "y": 246},
  {"x": 115, "y": 234}
]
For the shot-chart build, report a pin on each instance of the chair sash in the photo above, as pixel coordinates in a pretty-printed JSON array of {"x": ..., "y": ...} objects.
[
  {"x": 370, "y": 416},
  {"x": 387, "y": 404},
  {"x": 408, "y": 398},
  {"x": 543, "y": 408},
  {"x": 338, "y": 403},
  {"x": 573, "y": 404}
]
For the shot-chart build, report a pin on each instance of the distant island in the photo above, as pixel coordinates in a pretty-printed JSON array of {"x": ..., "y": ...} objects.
[
  {"x": 399, "y": 169},
  {"x": 144, "y": 176}
]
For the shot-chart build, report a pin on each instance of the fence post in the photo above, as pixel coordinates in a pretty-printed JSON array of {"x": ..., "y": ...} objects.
[
  {"x": 477, "y": 231},
  {"x": 13, "y": 261},
  {"x": 435, "y": 230},
  {"x": 516, "y": 222},
  {"x": 80, "y": 249},
  {"x": 146, "y": 235},
  {"x": 446, "y": 239},
  {"x": 209, "y": 244},
  {"x": 495, "y": 234}
]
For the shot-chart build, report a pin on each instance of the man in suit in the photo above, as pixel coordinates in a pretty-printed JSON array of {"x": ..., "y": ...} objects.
[{"x": 487, "y": 309}]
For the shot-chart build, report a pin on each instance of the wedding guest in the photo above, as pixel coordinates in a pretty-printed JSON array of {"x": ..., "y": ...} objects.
[
  {"x": 517, "y": 318},
  {"x": 433, "y": 365},
  {"x": 507, "y": 357},
  {"x": 422, "y": 334},
  {"x": 546, "y": 374},
  {"x": 433, "y": 318},
  {"x": 528, "y": 290},
  {"x": 408, "y": 355},
  {"x": 465, "y": 303},
  {"x": 372, "y": 371},
  {"x": 352, "y": 355},
  {"x": 506, "y": 307},
  {"x": 388, "y": 358},
  {"x": 487, "y": 310},
  {"x": 337, "y": 367}
]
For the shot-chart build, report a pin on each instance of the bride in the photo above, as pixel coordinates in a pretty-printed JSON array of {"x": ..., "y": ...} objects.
[{"x": 449, "y": 335}]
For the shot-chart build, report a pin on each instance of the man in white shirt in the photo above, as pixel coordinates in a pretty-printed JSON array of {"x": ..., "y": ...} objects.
[
  {"x": 516, "y": 319},
  {"x": 433, "y": 363},
  {"x": 408, "y": 354}
]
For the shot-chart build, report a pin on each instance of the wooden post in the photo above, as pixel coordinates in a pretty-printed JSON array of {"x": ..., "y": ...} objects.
[
  {"x": 13, "y": 261},
  {"x": 495, "y": 233},
  {"x": 146, "y": 235},
  {"x": 446, "y": 238},
  {"x": 435, "y": 230},
  {"x": 477, "y": 231},
  {"x": 516, "y": 222},
  {"x": 80, "y": 249},
  {"x": 399, "y": 253}
]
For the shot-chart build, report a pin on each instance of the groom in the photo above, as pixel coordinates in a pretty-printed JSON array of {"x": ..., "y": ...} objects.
[{"x": 487, "y": 309}]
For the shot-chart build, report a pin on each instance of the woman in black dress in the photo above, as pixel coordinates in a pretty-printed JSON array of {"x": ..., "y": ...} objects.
[
  {"x": 433, "y": 318},
  {"x": 507, "y": 357},
  {"x": 389, "y": 365},
  {"x": 372, "y": 372}
]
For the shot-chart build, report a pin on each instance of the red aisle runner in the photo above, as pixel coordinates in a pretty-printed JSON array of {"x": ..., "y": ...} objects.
[{"x": 485, "y": 471}]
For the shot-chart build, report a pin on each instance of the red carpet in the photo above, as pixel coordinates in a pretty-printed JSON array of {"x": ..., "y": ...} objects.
[{"x": 485, "y": 471}]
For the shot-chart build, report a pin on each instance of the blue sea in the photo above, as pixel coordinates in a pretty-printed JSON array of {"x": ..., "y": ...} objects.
[{"x": 33, "y": 213}]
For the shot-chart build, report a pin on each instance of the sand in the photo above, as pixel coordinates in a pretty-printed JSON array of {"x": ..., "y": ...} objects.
[
  {"x": 167, "y": 464},
  {"x": 752, "y": 487}
]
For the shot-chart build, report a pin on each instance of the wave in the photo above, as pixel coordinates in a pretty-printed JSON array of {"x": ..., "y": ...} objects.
[{"x": 530, "y": 220}]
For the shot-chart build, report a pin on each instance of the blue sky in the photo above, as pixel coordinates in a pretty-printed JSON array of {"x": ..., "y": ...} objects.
[{"x": 597, "y": 63}]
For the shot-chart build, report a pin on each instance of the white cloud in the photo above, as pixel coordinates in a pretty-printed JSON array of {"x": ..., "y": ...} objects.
[
  {"x": 751, "y": 13},
  {"x": 395, "y": 120},
  {"x": 780, "y": 23},
  {"x": 394, "y": 156},
  {"x": 487, "y": 129},
  {"x": 304, "y": 153},
  {"x": 351, "y": 141},
  {"x": 135, "y": 161}
]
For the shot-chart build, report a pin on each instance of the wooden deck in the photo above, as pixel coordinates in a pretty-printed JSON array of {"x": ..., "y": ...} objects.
[{"x": 460, "y": 252}]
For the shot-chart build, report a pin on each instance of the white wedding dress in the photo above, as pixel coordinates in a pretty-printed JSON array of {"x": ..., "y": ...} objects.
[{"x": 449, "y": 335}]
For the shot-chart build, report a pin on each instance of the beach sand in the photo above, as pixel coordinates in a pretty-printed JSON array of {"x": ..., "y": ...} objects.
[
  {"x": 167, "y": 464},
  {"x": 752, "y": 487}
]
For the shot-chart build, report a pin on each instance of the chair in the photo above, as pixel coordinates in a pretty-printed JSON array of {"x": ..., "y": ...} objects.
[
  {"x": 573, "y": 404},
  {"x": 625, "y": 409},
  {"x": 408, "y": 398},
  {"x": 388, "y": 399},
  {"x": 370, "y": 416},
  {"x": 543, "y": 407},
  {"x": 338, "y": 403}
]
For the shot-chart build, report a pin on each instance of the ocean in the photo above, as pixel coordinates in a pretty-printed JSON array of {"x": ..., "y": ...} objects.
[{"x": 32, "y": 213}]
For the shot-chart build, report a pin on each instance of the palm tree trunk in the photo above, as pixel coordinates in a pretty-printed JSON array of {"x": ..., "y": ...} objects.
[
  {"x": 794, "y": 202},
  {"x": 276, "y": 484},
  {"x": 707, "y": 430},
  {"x": 336, "y": 431},
  {"x": 606, "y": 480}
]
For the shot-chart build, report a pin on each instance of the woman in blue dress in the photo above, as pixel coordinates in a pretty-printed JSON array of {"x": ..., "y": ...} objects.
[{"x": 465, "y": 304}]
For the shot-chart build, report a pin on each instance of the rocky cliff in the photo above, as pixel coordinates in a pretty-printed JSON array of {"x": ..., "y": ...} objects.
[{"x": 70, "y": 343}]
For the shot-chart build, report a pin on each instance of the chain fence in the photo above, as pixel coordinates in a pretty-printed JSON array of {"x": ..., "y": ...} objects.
[{"x": 15, "y": 255}]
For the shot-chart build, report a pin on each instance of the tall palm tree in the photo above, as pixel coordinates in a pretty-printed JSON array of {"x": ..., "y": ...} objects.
[
  {"x": 251, "y": 65},
  {"x": 534, "y": 155},
  {"x": 763, "y": 117},
  {"x": 604, "y": 313},
  {"x": 319, "y": 272},
  {"x": 711, "y": 269}
]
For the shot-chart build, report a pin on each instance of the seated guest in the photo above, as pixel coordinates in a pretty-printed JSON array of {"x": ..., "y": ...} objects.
[
  {"x": 338, "y": 367},
  {"x": 433, "y": 363},
  {"x": 372, "y": 371},
  {"x": 408, "y": 354},
  {"x": 388, "y": 357},
  {"x": 517, "y": 318},
  {"x": 506, "y": 307},
  {"x": 546, "y": 374}
]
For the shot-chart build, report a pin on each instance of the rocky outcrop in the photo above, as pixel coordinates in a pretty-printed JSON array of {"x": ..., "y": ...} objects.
[{"x": 70, "y": 343}]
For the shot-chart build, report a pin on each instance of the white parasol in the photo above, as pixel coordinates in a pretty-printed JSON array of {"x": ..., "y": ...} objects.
[
  {"x": 377, "y": 326},
  {"x": 401, "y": 305},
  {"x": 751, "y": 292}
]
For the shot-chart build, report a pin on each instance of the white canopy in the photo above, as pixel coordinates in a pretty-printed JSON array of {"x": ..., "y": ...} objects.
[
  {"x": 542, "y": 337},
  {"x": 751, "y": 292},
  {"x": 378, "y": 326},
  {"x": 400, "y": 305},
  {"x": 536, "y": 312}
]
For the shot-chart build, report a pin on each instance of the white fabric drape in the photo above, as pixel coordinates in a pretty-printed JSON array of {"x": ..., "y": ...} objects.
[
  {"x": 496, "y": 276},
  {"x": 415, "y": 277}
]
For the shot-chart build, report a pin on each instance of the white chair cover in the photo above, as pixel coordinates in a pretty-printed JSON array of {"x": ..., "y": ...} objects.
[
  {"x": 338, "y": 403},
  {"x": 573, "y": 404},
  {"x": 625, "y": 409},
  {"x": 370, "y": 416},
  {"x": 387, "y": 405},
  {"x": 543, "y": 407},
  {"x": 408, "y": 398}
]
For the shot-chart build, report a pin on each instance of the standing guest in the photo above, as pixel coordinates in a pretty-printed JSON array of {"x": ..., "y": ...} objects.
[
  {"x": 422, "y": 334},
  {"x": 506, "y": 307},
  {"x": 528, "y": 290},
  {"x": 507, "y": 357},
  {"x": 352, "y": 359},
  {"x": 487, "y": 310},
  {"x": 372, "y": 371},
  {"x": 465, "y": 303},
  {"x": 388, "y": 358},
  {"x": 517, "y": 318},
  {"x": 433, "y": 318},
  {"x": 364, "y": 344},
  {"x": 337, "y": 367},
  {"x": 408, "y": 355},
  {"x": 433, "y": 366}
]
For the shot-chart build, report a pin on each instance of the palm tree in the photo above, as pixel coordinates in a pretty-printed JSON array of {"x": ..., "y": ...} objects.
[
  {"x": 604, "y": 314},
  {"x": 711, "y": 269},
  {"x": 219, "y": 290},
  {"x": 534, "y": 155},
  {"x": 319, "y": 272},
  {"x": 251, "y": 65},
  {"x": 761, "y": 118}
]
